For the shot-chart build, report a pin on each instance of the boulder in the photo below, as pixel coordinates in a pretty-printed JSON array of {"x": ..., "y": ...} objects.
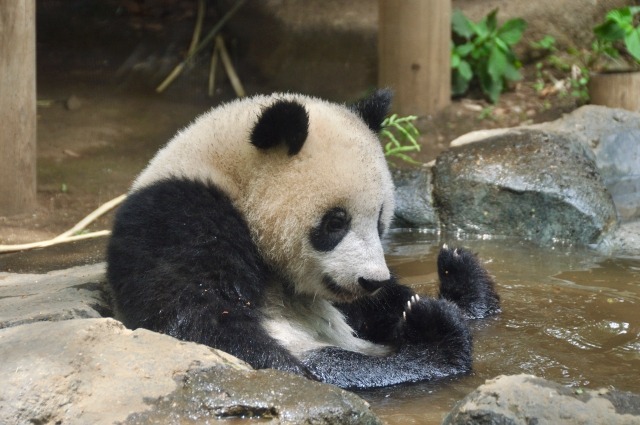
[
  {"x": 537, "y": 185},
  {"x": 75, "y": 293},
  {"x": 614, "y": 137},
  {"x": 63, "y": 363},
  {"x": 526, "y": 399}
]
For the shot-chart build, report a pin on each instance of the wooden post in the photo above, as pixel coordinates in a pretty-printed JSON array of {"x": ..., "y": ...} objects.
[
  {"x": 414, "y": 43},
  {"x": 616, "y": 90},
  {"x": 17, "y": 106}
]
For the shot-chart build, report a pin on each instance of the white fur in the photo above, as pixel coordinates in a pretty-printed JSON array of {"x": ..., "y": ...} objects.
[{"x": 304, "y": 323}]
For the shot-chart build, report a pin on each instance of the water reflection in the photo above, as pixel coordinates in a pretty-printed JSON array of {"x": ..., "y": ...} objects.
[{"x": 569, "y": 315}]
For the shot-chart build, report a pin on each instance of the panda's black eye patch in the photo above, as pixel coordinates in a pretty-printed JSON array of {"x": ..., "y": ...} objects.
[{"x": 333, "y": 227}]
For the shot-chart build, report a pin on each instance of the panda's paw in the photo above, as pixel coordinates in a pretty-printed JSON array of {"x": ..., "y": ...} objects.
[
  {"x": 464, "y": 281},
  {"x": 429, "y": 320}
]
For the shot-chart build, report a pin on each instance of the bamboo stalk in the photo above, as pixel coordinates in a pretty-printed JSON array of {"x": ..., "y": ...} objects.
[
  {"x": 209, "y": 37},
  {"x": 70, "y": 235},
  {"x": 228, "y": 67}
]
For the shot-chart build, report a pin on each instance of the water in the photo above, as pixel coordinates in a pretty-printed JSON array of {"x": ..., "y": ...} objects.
[{"x": 569, "y": 315}]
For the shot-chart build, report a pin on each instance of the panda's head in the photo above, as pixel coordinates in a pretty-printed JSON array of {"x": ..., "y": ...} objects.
[{"x": 320, "y": 195}]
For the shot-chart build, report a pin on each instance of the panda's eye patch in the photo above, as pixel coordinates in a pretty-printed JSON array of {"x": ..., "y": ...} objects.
[{"x": 331, "y": 230}]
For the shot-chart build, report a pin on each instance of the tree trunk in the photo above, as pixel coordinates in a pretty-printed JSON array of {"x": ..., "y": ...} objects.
[
  {"x": 17, "y": 106},
  {"x": 414, "y": 43}
]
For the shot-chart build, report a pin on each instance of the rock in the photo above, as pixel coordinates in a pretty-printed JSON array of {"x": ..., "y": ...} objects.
[
  {"x": 78, "y": 292},
  {"x": 62, "y": 363},
  {"x": 625, "y": 241},
  {"x": 97, "y": 371},
  {"x": 526, "y": 400},
  {"x": 532, "y": 184},
  {"x": 614, "y": 137},
  {"x": 413, "y": 196}
]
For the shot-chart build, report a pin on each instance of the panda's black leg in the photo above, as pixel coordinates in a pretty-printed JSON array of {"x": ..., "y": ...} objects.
[
  {"x": 181, "y": 261},
  {"x": 437, "y": 343},
  {"x": 465, "y": 282}
]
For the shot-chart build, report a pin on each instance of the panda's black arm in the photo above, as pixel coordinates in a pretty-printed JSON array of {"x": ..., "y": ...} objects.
[
  {"x": 377, "y": 318},
  {"x": 465, "y": 282},
  {"x": 437, "y": 343}
]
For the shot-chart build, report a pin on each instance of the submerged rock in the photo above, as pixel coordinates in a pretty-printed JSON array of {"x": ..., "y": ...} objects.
[
  {"x": 537, "y": 185},
  {"x": 526, "y": 399}
]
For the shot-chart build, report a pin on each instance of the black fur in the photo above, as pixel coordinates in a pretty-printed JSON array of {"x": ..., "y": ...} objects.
[
  {"x": 285, "y": 121},
  {"x": 456, "y": 268},
  {"x": 434, "y": 340},
  {"x": 333, "y": 227},
  {"x": 181, "y": 261},
  {"x": 374, "y": 108}
]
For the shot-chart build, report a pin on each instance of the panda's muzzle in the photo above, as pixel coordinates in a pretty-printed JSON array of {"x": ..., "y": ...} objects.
[{"x": 371, "y": 285}]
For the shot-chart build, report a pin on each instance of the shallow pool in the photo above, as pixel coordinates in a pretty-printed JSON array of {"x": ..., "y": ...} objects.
[{"x": 569, "y": 315}]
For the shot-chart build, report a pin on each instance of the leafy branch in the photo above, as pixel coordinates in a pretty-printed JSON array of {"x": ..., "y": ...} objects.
[{"x": 402, "y": 137}]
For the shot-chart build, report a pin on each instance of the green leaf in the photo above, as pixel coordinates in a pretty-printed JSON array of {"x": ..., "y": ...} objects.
[
  {"x": 497, "y": 63},
  {"x": 632, "y": 42},
  {"x": 511, "y": 73},
  {"x": 455, "y": 60},
  {"x": 465, "y": 70},
  {"x": 512, "y": 30},
  {"x": 464, "y": 49},
  {"x": 461, "y": 25},
  {"x": 491, "y": 20},
  {"x": 609, "y": 31},
  {"x": 620, "y": 16},
  {"x": 459, "y": 85}
]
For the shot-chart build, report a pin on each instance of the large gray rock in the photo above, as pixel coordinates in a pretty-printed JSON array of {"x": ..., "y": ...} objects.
[
  {"x": 614, "y": 137},
  {"x": 532, "y": 184},
  {"x": 78, "y": 292},
  {"x": 526, "y": 400},
  {"x": 95, "y": 371}
]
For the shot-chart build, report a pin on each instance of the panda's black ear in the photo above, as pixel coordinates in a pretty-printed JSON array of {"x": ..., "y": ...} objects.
[
  {"x": 374, "y": 108},
  {"x": 285, "y": 121}
]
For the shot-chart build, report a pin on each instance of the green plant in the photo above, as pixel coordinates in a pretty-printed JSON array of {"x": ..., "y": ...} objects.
[
  {"x": 565, "y": 73},
  {"x": 482, "y": 52},
  {"x": 402, "y": 137},
  {"x": 620, "y": 28}
]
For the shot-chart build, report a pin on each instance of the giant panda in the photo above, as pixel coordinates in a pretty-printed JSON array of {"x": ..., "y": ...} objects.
[{"x": 257, "y": 230}]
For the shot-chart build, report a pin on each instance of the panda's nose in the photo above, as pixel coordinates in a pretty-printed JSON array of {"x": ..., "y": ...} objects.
[{"x": 371, "y": 285}]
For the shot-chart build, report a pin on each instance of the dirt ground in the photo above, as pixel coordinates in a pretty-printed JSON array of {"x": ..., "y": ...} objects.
[{"x": 98, "y": 126}]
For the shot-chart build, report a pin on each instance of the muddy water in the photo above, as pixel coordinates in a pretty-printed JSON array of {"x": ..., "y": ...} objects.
[{"x": 569, "y": 315}]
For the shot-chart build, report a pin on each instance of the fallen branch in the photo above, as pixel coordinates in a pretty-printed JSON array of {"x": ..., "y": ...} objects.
[{"x": 70, "y": 235}]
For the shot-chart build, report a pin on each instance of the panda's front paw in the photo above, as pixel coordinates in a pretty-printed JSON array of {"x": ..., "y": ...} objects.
[
  {"x": 464, "y": 281},
  {"x": 429, "y": 320}
]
